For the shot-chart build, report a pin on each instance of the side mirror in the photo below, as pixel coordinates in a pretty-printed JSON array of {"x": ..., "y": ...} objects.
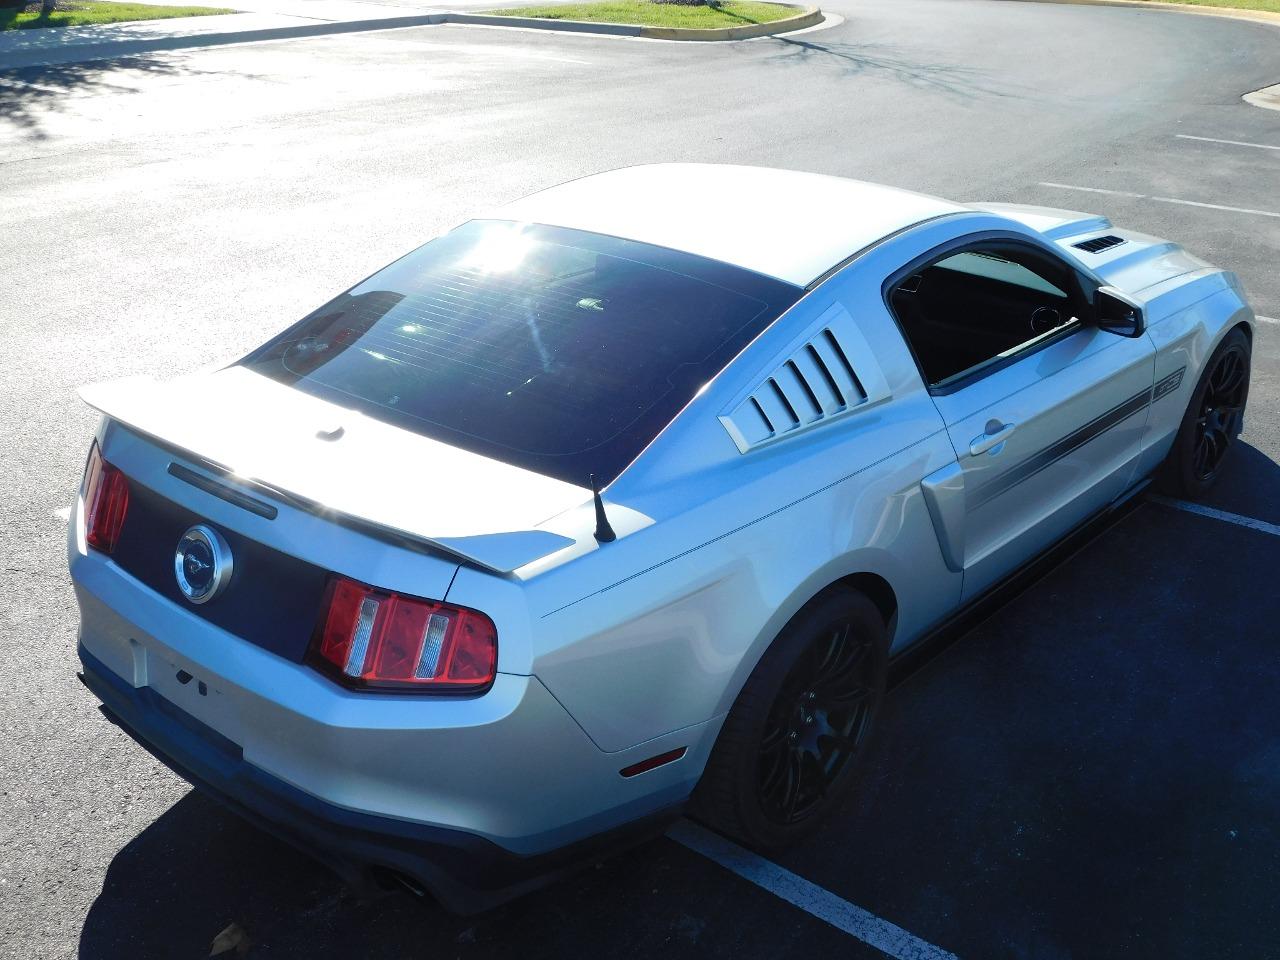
[{"x": 1118, "y": 313}]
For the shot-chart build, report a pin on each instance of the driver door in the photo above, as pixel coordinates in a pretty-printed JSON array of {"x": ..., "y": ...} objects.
[{"x": 1044, "y": 410}]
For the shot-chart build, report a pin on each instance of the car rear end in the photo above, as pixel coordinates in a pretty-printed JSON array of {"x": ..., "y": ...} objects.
[
  {"x": 400, "y": 767},
  {"x": 265, "y": 587}
]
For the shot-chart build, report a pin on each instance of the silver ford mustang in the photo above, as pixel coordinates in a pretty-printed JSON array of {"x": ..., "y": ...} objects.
[{"x": 620, "y": 501}]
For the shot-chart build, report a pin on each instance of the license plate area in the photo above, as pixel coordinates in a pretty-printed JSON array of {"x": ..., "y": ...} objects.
[{"x": 194, "y": 695}]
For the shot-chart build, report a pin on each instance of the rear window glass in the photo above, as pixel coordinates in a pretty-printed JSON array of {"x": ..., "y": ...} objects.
[{"x": 559, "y": 351}]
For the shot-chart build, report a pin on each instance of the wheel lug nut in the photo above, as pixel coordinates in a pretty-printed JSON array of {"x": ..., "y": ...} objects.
[{"x": 793, "y": 735}]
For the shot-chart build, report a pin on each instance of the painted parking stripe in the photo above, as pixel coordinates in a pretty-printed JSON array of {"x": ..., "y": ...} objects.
[
  {"x": 1177, "y": 200},
  {"x": 1113, "y": 193},
  {"x": 1267, "y": 319},
  {"x": 1202, "y": 511},
  {"x": 1234, "y": 143},
  {"x": 809, "y": 897},
  {"x": 64, "y": 514},
  {"x": 1218, "y": 206}
]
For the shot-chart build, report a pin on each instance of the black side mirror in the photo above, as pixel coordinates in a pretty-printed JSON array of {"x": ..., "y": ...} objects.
[{"x": 1118, "y": 313}]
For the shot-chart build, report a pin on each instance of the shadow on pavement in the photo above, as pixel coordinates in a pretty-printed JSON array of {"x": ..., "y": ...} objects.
[
  {"x": 197, "y": 869},
  {"x": 26, "y": 95},
  {"x": 956, "y": 80},
  {"x": 1250, "y": 483},
  {"x": 1093, "y": 772}
]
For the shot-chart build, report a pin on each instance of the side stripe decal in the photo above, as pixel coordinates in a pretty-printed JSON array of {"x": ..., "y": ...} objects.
[{"x": 1074, "y": 440}]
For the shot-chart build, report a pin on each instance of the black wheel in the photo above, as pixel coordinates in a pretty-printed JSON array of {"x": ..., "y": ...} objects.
[
  {"x": 1213, "y": 420},
  {"x": 789, "y": 746}
]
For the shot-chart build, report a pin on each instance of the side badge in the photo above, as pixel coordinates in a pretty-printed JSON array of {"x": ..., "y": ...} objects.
[{"x": 202, "y": 564}]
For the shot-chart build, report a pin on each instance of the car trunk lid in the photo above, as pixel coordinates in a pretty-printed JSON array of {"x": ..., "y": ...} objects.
[{"x": 349, "y": 467}]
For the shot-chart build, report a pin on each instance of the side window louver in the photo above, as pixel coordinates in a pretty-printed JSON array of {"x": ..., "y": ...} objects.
[
  {"x": 831, "y": 374},
  {"x": 1098, "y": 244}
]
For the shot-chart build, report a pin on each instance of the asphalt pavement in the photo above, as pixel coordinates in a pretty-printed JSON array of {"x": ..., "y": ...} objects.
[{"x": 1091, "y": 772}]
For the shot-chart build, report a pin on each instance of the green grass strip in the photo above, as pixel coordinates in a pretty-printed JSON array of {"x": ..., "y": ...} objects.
[
  {"x": 733, "y": 13},
  {"x": 1271, "y": 6},
  {"x": 91, "y": 12}
]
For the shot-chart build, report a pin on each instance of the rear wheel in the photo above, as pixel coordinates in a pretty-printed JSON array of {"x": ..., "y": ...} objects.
[
  {"x": 788, "y": 749},
  {"x": 1213, "y": 420}
]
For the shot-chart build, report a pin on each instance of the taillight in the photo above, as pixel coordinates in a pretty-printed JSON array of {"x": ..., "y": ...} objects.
[
  {"x": 371, "y": 638},
  {"x": 106, "y": 501}
]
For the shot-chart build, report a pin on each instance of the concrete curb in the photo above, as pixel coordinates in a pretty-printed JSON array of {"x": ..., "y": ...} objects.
[
  {"x": 116, "y": 48},
  {"x": 1268, "y": 98},
  {"x": 808, "y": 17},
  {"x": 1232, "y": 13}
]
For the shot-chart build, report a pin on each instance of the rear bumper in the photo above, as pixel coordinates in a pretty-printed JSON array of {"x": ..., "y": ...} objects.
[{"x": 465, "y": 872}]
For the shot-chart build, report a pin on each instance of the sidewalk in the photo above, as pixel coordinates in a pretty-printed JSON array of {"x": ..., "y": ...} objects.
[{"x": 260, "y": 20}]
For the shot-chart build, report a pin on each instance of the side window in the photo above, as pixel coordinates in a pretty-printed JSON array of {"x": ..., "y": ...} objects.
[{"x": 971, "y": 309}]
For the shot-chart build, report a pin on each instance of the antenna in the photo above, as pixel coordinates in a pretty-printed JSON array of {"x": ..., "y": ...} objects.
[{"x": 604, "y": 532}]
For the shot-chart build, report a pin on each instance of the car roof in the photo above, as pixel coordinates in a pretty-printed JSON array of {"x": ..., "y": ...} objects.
[{"x": 782, "y": 223}]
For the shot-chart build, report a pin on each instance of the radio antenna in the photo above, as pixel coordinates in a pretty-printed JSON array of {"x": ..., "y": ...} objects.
[{"x": 604, "y": 532}]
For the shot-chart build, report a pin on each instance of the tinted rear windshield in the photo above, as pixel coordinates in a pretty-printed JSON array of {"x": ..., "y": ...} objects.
[{"x": 555, "y": 350}]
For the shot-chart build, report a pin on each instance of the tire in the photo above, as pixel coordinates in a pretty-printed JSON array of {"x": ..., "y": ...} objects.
[
  {"x": 1213, "y": 420},
  {"x": 806, "y": 710}
]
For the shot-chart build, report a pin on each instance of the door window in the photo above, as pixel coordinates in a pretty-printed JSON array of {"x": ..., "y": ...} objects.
[{"x": 968, "y": 311}]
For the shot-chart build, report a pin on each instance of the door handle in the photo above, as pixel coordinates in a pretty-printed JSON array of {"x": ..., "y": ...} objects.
[{"x": 997, "y": 433}]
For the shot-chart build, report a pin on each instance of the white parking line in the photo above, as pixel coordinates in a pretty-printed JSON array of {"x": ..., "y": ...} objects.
[
  {"x": 809, "y": 897},
  {"x": 1267, "y": 319},
  {"x": 1143, "y": 196},
  {"x": 1114, "y": 193},
  {"x": 1234, "y": 143},
  {"x": 1200, "y": 510},
  {"x": 1218, "y": 206},
  {"x": 64, "y": 514}
]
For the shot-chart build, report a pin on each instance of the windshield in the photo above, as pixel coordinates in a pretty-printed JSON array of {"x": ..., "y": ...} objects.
[{"x": 556, "y": 350}]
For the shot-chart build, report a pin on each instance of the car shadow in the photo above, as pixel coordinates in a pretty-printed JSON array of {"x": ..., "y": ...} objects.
[
  {"x": 199, "y": 871},
  {"x": 1250, "y": 484}
]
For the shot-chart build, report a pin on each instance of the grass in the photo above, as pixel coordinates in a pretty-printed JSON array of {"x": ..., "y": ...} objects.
[
  {"x": 1269, "y": 5},
  {"x": 730, "y": 13},
  {"x": 1272, "y": 6},
  {"x": 79, "y": 13}
]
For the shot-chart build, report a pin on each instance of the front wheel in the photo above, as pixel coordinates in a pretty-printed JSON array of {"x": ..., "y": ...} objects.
[
  {"x": 1213, "y": 420},
  {"x": 789, "y": 747}
]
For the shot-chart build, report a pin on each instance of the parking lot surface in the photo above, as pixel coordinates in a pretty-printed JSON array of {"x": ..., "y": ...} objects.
[{"x": 1090, "y": 772}]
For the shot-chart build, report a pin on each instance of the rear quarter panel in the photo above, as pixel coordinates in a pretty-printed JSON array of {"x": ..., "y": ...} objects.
[{"x": 659, "y": 630}]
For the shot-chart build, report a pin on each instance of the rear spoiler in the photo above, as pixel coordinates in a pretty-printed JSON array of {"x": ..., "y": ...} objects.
[{"x": 123, "y": 401}]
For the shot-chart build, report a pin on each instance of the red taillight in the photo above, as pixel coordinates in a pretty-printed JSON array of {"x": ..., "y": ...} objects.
[
  {"x": 374, "y": 638},
  {"x": 106, "y": 501}
]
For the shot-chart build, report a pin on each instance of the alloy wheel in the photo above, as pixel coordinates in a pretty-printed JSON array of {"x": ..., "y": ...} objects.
[
  {"x": 816, "y": 724},
  {"x": 1221, "y": 410}
]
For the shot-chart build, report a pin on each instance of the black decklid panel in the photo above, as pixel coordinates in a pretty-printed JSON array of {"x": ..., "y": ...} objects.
[{"x": 273, "y": 599}]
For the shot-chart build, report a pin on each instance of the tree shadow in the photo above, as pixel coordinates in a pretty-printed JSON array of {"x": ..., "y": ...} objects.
[
  {"x": 29, "y": 94},
  {"x": 866, "y": 59}
]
